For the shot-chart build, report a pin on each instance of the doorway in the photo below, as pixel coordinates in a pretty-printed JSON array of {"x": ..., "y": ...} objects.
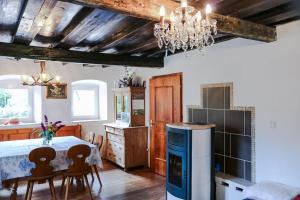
[{"x": 165, "y": 107}]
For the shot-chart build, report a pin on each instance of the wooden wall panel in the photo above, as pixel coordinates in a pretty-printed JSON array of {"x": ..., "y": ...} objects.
[{"x": 26, "y": 133}]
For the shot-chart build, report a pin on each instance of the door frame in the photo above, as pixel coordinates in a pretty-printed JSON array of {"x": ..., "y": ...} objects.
[{"x": 152, "y": 139}]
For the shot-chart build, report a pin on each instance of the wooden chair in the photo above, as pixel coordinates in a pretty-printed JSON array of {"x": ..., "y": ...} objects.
[
  {"x": 98, "y": 142},
  {"x": 91, "y": 137},
  {"x": 79, "y": 168},
  {"x": 42, "y": 171}
]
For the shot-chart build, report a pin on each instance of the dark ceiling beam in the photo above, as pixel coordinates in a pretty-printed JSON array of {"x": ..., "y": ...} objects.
[
  {"x": 149, "y": 9},
  {"x": 247, "y": 8},
  {"x": 279, "y": 13},
  {"x": 10, "y": 12},
  {"x": 75, "y": 22},
  {"x": 97, "y": 19},
  {"x": 145, "y": 46},
  {"x": 117, "y": 37},
  {"x": 33, "y": 19},
  {"x": 60, "y": 17},
  {"x": 38, "y": 53}
]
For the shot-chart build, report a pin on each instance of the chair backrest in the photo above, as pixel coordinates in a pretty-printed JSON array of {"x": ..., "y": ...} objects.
[
  {"x": 99, "y": 141},
  {"x": 78, "y": 155},
  {"x": 91, "y": 137},
  {"x": 42, "y": 157}
]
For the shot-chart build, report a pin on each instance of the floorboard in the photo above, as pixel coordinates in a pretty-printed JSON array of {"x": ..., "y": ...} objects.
[{"x": 139, "y": 184}]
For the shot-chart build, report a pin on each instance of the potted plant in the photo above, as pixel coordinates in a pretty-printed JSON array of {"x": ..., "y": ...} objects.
[{"x": 48, "y": 130}]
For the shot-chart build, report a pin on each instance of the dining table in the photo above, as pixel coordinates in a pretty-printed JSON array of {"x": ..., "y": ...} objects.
[{"x": 15, "y": 164}]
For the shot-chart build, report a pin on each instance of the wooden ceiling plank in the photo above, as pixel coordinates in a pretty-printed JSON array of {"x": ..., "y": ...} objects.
[
  {"x": 75, "y": 22},
  {"x": 117, "y": 37},
  {"x": 97, "y": 19},
  {"x": 33, "y": 19},
  {"x": 9, "y": 17},
  {"x": 59, "y": 18},
  {"x": 278, "y": 13},
  {"x": 38, "y": 53},
  {"x": 147, "y": 45},
  {"x": 248, "y": 8},
  {"x": 149, "y": 9}
]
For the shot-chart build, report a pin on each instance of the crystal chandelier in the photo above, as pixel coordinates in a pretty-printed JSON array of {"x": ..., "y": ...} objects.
[
  {"x": 187, "y": 29},
  {"x": 41, "y": 79}
]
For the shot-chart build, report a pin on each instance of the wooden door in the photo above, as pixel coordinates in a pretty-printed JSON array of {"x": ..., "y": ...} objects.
[{"x": 165, "y": 107}]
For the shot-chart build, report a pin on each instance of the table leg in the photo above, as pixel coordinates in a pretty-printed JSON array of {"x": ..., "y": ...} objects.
[{"x": 13, "y": 195}]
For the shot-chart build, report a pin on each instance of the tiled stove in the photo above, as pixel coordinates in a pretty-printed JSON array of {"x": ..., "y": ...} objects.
[{"x": 190, "y": 174}]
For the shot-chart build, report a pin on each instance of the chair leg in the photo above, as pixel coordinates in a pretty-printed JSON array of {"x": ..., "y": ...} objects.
[
  {"x": 72, "y": 180},
  {"x": 27, "y": 190},
  {"x": 98, "y": 176},
  {"x": 52, "y": 189},
  {"x": 92, "y": 174},
  {"x": 88, "y": 186},
  {"x": 30, "y": 190},
  {"x": 67, "y": 190},
  {"x": 62, "y": 184}
]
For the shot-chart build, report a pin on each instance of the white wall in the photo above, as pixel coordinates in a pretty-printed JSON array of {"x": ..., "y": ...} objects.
[
  {"x": 265, "y": 75},
  {"x": 60, "y": 109}
]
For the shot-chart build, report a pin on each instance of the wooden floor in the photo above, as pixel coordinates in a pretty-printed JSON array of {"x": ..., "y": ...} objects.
[{"x": 140, "y": 184}]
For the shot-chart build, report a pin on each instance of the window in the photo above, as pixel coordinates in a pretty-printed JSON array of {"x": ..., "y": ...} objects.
[
  {"x": 17, "y": 101},
  {"x": 89, "y": 100}
]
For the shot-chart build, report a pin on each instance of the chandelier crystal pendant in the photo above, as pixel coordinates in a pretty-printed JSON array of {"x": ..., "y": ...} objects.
[
  {"x": 41, "y": 79},
  {"x": 187, "y": 29}
]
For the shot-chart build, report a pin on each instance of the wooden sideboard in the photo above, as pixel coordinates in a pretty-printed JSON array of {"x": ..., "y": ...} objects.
[
  {"x": 127, "y": 146},
  {"x": 26, "y": 133}
]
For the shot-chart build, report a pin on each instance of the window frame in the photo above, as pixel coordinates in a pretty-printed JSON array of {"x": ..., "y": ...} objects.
[
  {"x": 87, "y": 87},
  {"x": 13, "y": 82}
]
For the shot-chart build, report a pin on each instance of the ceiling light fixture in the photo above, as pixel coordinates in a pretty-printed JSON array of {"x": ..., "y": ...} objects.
[
  {"x": 41, "y": 79},
  {"x": 187, "y": 29}
]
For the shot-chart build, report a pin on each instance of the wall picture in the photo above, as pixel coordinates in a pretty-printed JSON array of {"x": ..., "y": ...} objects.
[{"x": 57, "y": 91}]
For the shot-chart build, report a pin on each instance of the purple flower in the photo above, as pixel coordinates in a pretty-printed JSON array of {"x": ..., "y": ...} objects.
[
  {"x": 46, "y": 118},
  {"x": 60, "y": 126},
  {"x": 43, "y": 126},
  {"x": 57, "y": 122}
]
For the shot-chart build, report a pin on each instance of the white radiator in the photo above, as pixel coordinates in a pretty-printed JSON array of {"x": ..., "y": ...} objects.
[{"x": 230, "y": 188}]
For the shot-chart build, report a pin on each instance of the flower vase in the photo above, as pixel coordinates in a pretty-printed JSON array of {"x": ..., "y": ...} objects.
[{"x": 46, "y": 141}]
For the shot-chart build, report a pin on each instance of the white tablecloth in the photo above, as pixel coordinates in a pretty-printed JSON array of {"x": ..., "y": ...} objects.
[{"x": 14, "y": 161}]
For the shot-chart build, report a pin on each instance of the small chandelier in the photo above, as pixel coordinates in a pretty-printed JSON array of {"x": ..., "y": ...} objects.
[
  {"x": 187, "y": 29},
  {"x": 41, "y": 79}
]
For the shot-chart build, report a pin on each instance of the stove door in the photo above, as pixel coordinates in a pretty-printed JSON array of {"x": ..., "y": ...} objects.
[{"x": 176, "y": 173}]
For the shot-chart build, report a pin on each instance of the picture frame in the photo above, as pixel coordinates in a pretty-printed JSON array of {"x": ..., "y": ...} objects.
[{"x": 56, "y": 91}]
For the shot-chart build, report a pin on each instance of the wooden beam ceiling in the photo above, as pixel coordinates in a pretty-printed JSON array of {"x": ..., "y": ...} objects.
[
  {"x": 149, "y": 9},
  {"x": 33, "y": 19},
  {"x": 249, "y": 7},
  {"x": 116, "y": 38},
  {"x": 38, "y": 53}
]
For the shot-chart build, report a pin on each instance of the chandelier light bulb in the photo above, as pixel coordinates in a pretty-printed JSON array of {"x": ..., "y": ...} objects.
[
  {"x": 57, "y": 79},
  {"x": 44, "y": 77},
  {"x": 162, "y": 11},
  {"x": 172, "y": 17},
  {"x": 198, "y": 16},
  {"x": 24, "y": 78},
  {"x": 183, "y": 3},
  {"x": 208, "y": 9},
  {"x": 187, "y": 29}
]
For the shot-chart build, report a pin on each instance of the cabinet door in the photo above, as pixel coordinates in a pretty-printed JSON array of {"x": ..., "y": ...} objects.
[
  {"x": 118, "y": 102},
  {"x": 126, "y": 103}
]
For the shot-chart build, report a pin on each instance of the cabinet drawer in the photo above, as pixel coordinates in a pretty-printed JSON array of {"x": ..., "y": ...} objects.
[
  {"x": 115, "y": 147},
  {"x": 109, "y": 129},
  {"x": 115, "y": 138},
  {"x": 119, "y": 132},
  {"x": 116, "y": 158}
]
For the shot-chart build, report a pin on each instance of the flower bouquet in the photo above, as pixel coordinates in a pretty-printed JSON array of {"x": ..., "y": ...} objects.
[{"x": 48, "y": 130}]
